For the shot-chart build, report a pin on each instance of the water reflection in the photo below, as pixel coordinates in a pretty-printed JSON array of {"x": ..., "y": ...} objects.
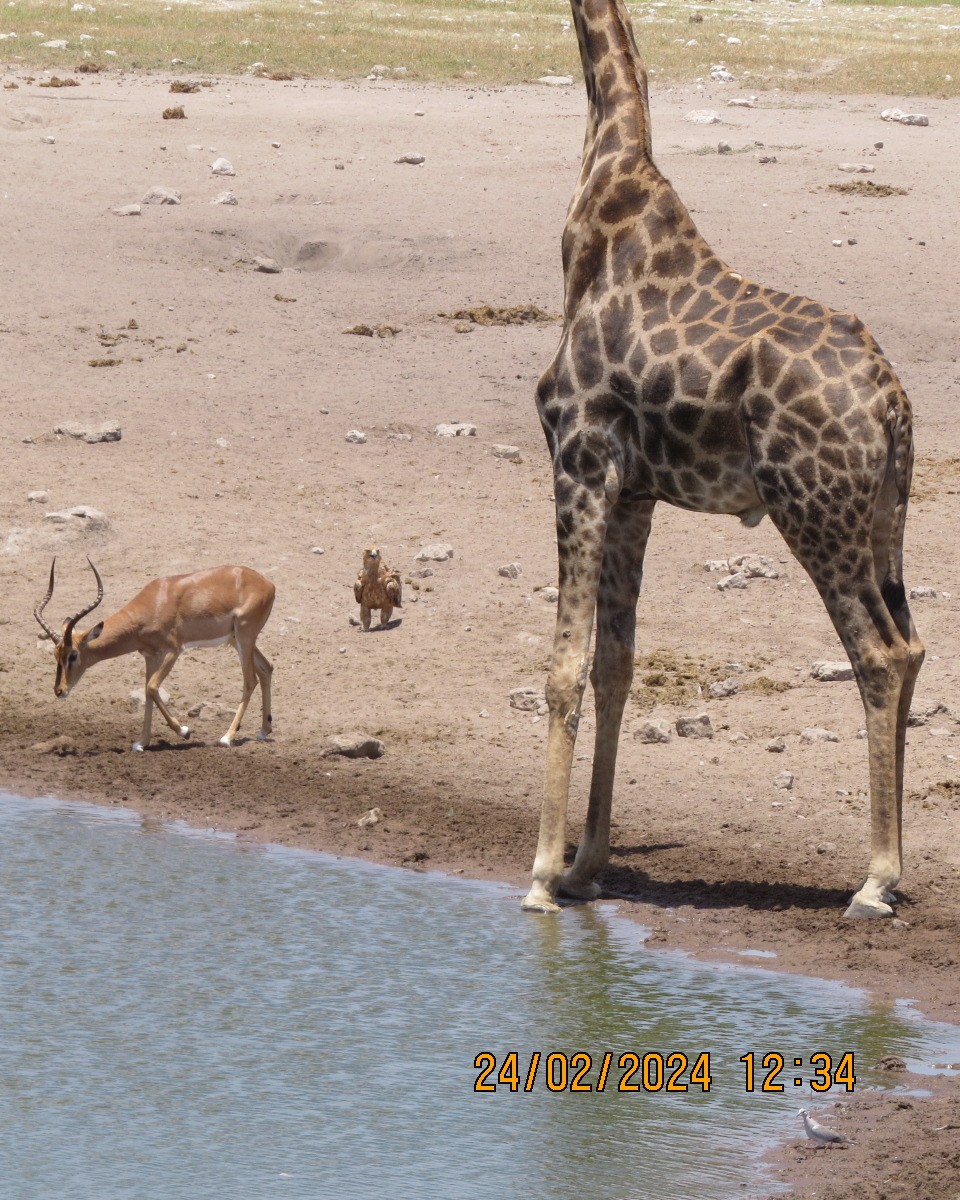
[{"x": 180, "y": 1019}]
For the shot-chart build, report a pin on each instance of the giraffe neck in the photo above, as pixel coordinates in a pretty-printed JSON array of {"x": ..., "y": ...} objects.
[{"x": 615, "y": 77}]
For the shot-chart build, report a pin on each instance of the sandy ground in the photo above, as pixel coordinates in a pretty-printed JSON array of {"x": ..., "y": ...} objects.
[{"x": 234, "y": 404}]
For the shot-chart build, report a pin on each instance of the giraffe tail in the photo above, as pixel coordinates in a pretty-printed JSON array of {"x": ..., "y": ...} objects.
[{"x": 900, "y": 465}]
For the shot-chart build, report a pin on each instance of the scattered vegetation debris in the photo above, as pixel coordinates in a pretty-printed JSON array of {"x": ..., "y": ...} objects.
[
  {"x": 11, "y": 86},
  {"x": 285, "y": 299},
  {"x": 184, "y": 86},
  {"x": 132, "y": 323},
  {"x": 279, "y": 76},
  {"x": 175, "y": 113},
  {"x": 666, "y": 677},
  {"x": 767, "y": 686},
  {"x": 489, "y": 314},
  {"x": 866, "y": 187},
  {"x": 89, "y": 68},
  {"x": 381, "y": 331},
  {"x": 105, "y": 362},
  {"x": 56, "y": 82}
]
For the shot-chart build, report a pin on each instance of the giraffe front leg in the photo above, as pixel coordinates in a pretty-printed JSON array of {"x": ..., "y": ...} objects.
[
  {"x": 580, "y": 545},
  {"x": 628, "y": 529}
]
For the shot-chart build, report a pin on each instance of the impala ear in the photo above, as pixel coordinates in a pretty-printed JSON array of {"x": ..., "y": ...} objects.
[{"x": 94, "y": 633}]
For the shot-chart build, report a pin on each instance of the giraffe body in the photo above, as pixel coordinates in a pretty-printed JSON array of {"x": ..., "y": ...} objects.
[{"x": 678, "y": 380}]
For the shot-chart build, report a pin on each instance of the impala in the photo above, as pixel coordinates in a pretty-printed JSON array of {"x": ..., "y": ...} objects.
[{"x": 225, "y": 605}]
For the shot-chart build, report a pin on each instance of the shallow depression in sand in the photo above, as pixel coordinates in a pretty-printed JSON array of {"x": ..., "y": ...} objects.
[{"x": 185, "y": 1017}]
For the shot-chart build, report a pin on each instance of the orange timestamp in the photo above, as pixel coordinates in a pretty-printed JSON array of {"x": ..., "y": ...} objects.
[{"x": 655, "y": 1072}]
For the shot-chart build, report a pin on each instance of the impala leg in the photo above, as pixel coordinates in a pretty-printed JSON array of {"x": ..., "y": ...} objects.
[
  {"x": 247, "y": 664},
  {"x": 581, "y": 517},
  {"x": 264, "y": 670},
  {"x": 628, "y": 529},
  {"x": 151, "y": 662},
  {"x": 153, "y": 692}
]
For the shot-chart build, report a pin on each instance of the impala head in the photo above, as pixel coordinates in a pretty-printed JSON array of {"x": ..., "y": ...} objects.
[
  {"x": 69, "y": 644},
  {"x": 371, "y": 557}
]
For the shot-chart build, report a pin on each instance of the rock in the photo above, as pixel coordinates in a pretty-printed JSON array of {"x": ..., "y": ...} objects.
[
  {"x": 61, "y": 745},
  {"x": 785, "y": 781},
  {"x": 716, "y": 564},
  {"x": 435, "y": 552},
  {"x": 736, "y": 581},
  {"x": 526, "y": 699},
  {"x": 206, "y": 708},
  {"x": 356, "y": 436},
  {"x": 724, "y": 688},
  {"x": 922, "y": 710},
  {"x": 413, "y": 160},
  {"x": 766, "y": 158},
  {"x": 422, "y": 573},
  {"x": 694, "y": 727},
  {"x": 550, "y": 594},
  {"x": 48, "y": 140},
  {"x": 894, "y": 114},
  {"x": 720, "y": 74},
  {"x": 776, "y": 745},
  {"x": 317, "y": 550},
  {"x": 737, "y": 738},
  {"x": 162, "y": 195},
  {"x": 703, "y": 116},
  {"x": 80, "y": 515},
  {"x": 222, "y": 166},
  {"x": 138, "y": 699},
  {"x": 653, "y": 731},
  {"x": 55, "y": 44},
  {"x": 724, "y": 148},
  {"x": 923, "y": 593},
  {"x": 852, "y": 168},
  {"x": 90, "y": 433},
  {"x": 511, "y": 453},
  {"x": 837, "y": 242},
  {"x": 355, "y": 745},
  {"x": 126, "y": 210},
  {"x": 372, "y": 817},
  {"x": 38, "y": 497},
  {"x": 457, "y": 429},
  {"x": 741, "y": 102},
  {"x": 814, "y": 734},
  {"x": 754, "y": 566},
  {"x": 556, "y": 80},
  {"x": 269, "y": 266},
  {"x": 831, "y": 672},
  {"x": 510, "y": 570},
  {"x": 378, "y": 71},
  {"x": 225, "y": 198},
  {"x": 890, "y": 1062}
]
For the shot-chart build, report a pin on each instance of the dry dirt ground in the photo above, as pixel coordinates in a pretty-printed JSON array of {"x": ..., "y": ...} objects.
[{"x": 235, "y": 391}]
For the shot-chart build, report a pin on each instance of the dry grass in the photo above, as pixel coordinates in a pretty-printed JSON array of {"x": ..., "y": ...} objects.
[
  {"x": 903, "y": 49},
  {"x": 866, "y": 187},
  {"x": 488, "y": 314}
]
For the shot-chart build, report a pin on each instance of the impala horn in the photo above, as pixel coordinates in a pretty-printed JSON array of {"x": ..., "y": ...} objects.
[
  {"x": 71, "y": 621},
  {"x": 38, "y": 611}
]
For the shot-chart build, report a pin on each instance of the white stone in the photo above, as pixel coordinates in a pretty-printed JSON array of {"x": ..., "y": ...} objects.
[
  {"x": 923, "y": 593},
  {"x": 724, "y": 688},
  {"x": 435, "y": 552},
  {"x": 703, "y": 116},
  {"x": 653, "y": 731},
  {"x": 225, "y": 198},
  {"x": 162, "y": 195},
  {"x": 785, "y": 780},
  {"x": 526, "y": 699},
  {"x": 355, "y": 745},
  {"x": 511, "y": 453},
  {"x": 736, "y": 581},
  {"x": 814, "y": 734},
  {"x": 510, "y": 570},
  {"x": 741, "y": 102},
  {"x": 734, "y": 41},
  {"x": 776, "y": 745},
  {"x": 457, "y": 429},
  {"x": 754, "y": 566},
  {"x": 38, "y": 497},
  {"x": 223, "y": 166},
  {"x": 90, "y": 433},
  {"x": 268, "y": 266},
  {"x": 317, "y": 550},
  {"x": 412, "y": 160},
  {"x": 550, "y": 594},
  {"x": 126, "y": 210},
  {"x": 724, "y": 148},
  {"x": 831, "y": 672},
  {"x": 854, "y": 168},
  {"x": 902, "y": 118},
  {"x": 372, "y": 817},
  {"x": 80, "y": 514},
  {"x": 55, "y": 44},
  {"x": 720, "y": 74},
  {"x": 356, "y": 436},
  {"x": 737, "y": 738},
  {"x": 49, "y": 140},
  {"x": 556, "y": 80},
  {"x": 694, "y": 727}
]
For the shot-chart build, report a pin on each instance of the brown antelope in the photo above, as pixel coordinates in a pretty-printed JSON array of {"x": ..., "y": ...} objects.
[{"x": 225, "y": 605}]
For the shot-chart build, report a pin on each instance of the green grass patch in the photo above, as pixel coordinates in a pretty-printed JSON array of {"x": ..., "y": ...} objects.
[{"x": 846, "y": 46}]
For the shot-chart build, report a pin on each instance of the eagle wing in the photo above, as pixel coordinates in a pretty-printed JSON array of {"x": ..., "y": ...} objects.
[
  {"x": 394, "y": 588},
  {"x": 358, "y": 589}
]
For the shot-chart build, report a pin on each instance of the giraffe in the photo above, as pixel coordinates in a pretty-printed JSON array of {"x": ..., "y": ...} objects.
[{"x": 677, "y": 379}]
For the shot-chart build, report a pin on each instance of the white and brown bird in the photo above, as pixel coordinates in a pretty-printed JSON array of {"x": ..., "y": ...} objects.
[
  {"x": 377, "y": 587},
  {"x": 819, "y": 1134}
]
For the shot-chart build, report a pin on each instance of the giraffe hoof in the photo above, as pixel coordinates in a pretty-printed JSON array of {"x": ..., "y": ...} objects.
[
  {"x": 184, "y": 731},
  {"x": 138, "y": 747},
  {"x": 579, "y": 889}
]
